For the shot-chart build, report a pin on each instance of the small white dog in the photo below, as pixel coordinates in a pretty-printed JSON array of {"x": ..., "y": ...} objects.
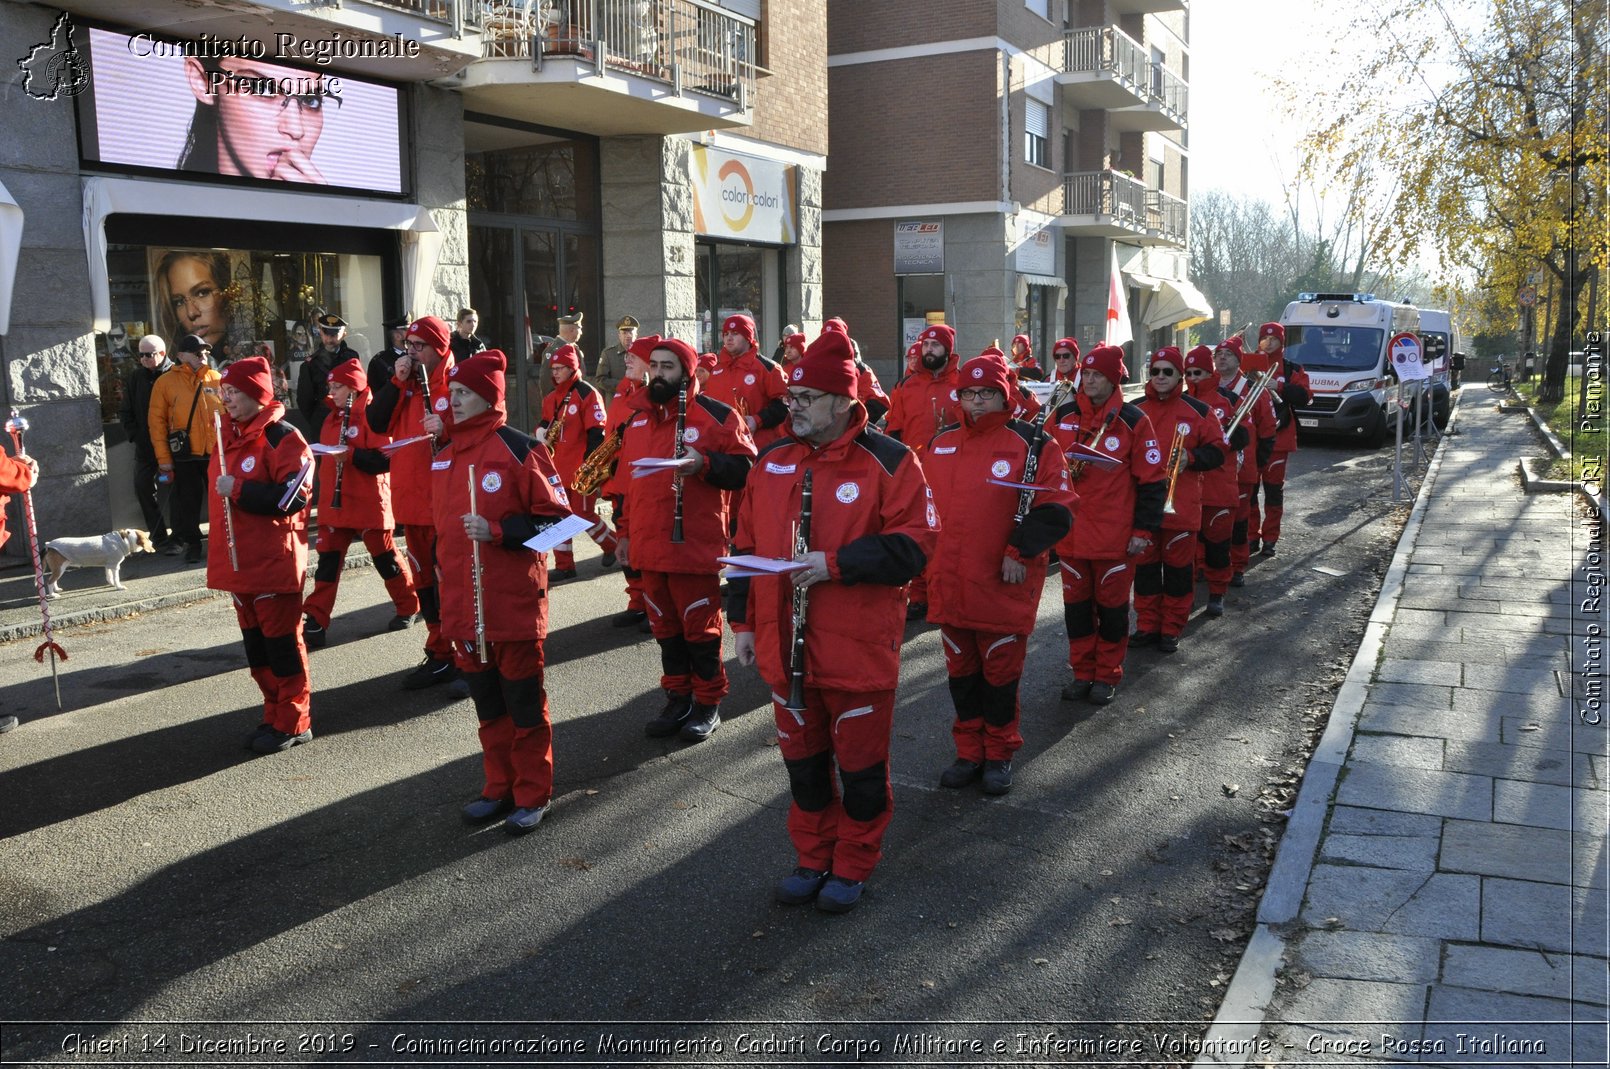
[{"x": 108, "y": 551}]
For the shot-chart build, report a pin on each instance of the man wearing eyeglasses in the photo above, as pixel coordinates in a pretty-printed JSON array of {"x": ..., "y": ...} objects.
[
  {"x": 313, "y": 385},
  {"x": 681, "y": 581},
  {"x": 135, "y": 415},
  {"x": 1120, "y": 512},
  {"x": 872, "y": 528},
  {"x": 1165, "y": 583},
  {"x": 986, "y": 595}
]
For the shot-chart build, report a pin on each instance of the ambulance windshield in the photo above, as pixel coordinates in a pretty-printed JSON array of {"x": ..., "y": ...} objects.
[{"x": 1325, "y": 348}]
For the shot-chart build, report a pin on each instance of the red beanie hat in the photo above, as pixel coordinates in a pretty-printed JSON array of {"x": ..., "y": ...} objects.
[
  {"x": 987, "y": 371},
  {"x": 828, "y": 365},
  {"x": 643, "y": 346},
  {"x": 743, "y": 325},
  {"x": 1272, "y": 330},
  {"x": 707, "y": 361},
  {"x": 1170, "y": 355},
  {"x": 433, "y": 332},
  {"x": 837, "y": 325},
  {"x": 797, "y": 342},
  {"x": 1107, "y": 361},
  {"x": 251, "y": 377},
  {"x": 482, "y": 373},
  {"x": 1233, "y": 344},
  {"x": 566, "y": 356},
  {"x": 350, "y": 373},
  {"x": 1065, "y": 345},
  {"x": 1024, "y": 338},
  {"x": 1200, "y": 358},
  {"x": 684, "y": 352},
  {"x": 943, "y": 334},
  {"x": 993, "y": 350}
]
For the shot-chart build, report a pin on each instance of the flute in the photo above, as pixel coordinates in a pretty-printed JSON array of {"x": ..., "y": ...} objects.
[
  {"x": 802, "y": 546},
  {"x": 681, "y": 451},
  {"x": 223, "y": 469},
  {"x": 475, "y": 579},
  {"x": 341, "y": 464}
]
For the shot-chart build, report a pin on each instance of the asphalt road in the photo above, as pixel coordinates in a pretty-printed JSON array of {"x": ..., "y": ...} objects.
[{"x": 152, "y": 871}]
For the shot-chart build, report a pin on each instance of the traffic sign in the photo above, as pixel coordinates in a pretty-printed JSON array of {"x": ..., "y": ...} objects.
[
  {"x": 1528, "y": 296},
  {"x": 1406, "y": 357}
]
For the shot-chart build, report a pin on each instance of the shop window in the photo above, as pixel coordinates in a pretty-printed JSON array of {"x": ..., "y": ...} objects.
[
  {"x": 731, "y": 280},
  {"x": 555, "y": 179}
]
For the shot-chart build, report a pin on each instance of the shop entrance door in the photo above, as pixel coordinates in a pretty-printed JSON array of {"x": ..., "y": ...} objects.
[{"x": 523, "y": 275}]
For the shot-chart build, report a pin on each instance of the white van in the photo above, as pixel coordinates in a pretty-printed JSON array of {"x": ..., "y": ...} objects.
[
  {"x": 1439, "y": 341},
  {"x": 1341, "y": 340}
]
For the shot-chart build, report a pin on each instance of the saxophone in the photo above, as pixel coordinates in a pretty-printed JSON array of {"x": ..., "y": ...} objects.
[{"x": 599, "y": 465}]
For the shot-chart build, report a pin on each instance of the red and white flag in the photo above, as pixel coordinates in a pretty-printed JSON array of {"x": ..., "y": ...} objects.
[{"x": 1118, "y": 330}]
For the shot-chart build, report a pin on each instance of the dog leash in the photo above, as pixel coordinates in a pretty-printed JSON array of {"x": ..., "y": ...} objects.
[{"x": 15, "y": 426}]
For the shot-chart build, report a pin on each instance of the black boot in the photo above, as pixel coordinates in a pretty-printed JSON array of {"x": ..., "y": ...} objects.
[{"x": 678, "y": 707}]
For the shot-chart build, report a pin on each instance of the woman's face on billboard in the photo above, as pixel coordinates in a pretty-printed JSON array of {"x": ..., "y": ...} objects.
[
  {"x": 197, "y": 299},
  {"x": 269, "y": 117}
]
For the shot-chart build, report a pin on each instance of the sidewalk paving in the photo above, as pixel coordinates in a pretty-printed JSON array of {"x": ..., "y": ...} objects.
[{"x": 1440, "y": 894}]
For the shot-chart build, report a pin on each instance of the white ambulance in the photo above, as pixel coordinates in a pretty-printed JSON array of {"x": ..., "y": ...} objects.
[
  {"x": 1439, "y": 341},
  {"x": 1341, "y": 340}
]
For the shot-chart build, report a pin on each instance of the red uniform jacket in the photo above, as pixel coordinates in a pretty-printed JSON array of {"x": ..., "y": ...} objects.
[
  {"x": 582, "y": 429},
  {"x": 365, "y": 478},
  {"x": 869, "y": 391},
  {"x": 1290, "y": 384},
  {"x": 1219, "y": 484},
  {"x": 15, "y": 477},
  {"x": 923, "y": 402},
  {"x": 1202, "y": 439},
  {"x": 519, "y": 492},
  {"x": 723, "y": 440},
  {"x": 965, "y": 587},
  {"x": 273, "y": 471},
  {"x": 616, "y": 417},
  {"x": 1119, "y": 502},
  {"x": 395, "y": 410},
  {"x": 757, "y": 383},
  {"x": 1261, "y": 422},
  {"x": 872, "y": 516}
]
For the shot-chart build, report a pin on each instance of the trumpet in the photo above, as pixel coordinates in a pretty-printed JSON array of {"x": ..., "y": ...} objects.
[
  {"x": 599, "y": 465},
  {"x": 1076, "y": 466},
  {"x": 802, "y": 546},
  {"x": 1176, "y": 464},
  {"x": 1259, "y": 383}
]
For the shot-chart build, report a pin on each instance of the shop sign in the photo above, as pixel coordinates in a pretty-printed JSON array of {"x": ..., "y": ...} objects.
[
  {"x": 919, "y": 247},
  {"x": 1036, "y": 251},
  {"x": 743, "y": 197}
]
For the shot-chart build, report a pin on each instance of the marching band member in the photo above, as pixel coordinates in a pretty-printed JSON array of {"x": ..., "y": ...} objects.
[
  {"x": 262, "y": 505},
  {"x": 986, "y": 595},
  {"x": 362, "y": 471},
  {"x": 1221, "y": 496},
  {"x": 747, "y": 381},
  {"x": 496, "y": 618},
  {"x": 1164, "y": 573},
  {"x": 922, "y": 402},
  {"x": 871, "y": 528},
  {"x": 1288, "y": 389},
  {"x": 407, "y": 406},
  {"x": 578, "y": 408},
  {"x": 1260, "y": 422},
  {"x": 616, "y": 417},
  {"x": 1022, "y": 362},
  {"x": 792, "y": 349},
  {"x": 681, "y": 584},
  {"x": 868, "y": 390},
  {"x": 1120, "y": 513},
  {"x": 1065, "y": 358}
]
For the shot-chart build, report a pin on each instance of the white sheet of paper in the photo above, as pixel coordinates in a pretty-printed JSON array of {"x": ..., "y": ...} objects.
[
  {"x": 548, "y": 537},
  {"x": 324, "y": 450},
  {"x": 749, "y": 562},
  {"x": 654, "y": 463},
  {"x": 1016, "y": 486},
  {"x": 399, "y": 443}
]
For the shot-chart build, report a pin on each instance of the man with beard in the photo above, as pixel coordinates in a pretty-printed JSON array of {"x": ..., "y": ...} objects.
[
  {"x": 924, "y": 401},
  {"x": 680, "y": 576},
  {"x": 872, "y": 528}
]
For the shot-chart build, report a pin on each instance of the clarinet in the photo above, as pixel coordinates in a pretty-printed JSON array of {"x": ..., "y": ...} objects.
[
  {"x": 681, "y": 451},
  {"x": 424, "y": 390},
  {"x": 1031, "y": 463},
  {"x": 341, "y": 464},
  {"x": 802, "y": 546}
]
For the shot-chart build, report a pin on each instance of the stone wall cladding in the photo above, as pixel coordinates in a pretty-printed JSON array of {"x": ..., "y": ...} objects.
[{"x": 438, "y": 118}]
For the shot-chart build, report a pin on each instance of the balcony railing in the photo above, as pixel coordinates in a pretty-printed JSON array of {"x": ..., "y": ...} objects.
[
  {"x": 688, "y": 43},
  {"x": 1108, "y": 50},
  {"x": 1106, "y": 193},
  {"x": 1166, "y": 216}
]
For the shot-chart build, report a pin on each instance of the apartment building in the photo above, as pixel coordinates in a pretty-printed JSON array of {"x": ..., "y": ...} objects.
[
  {"x": 235, "y": 169},
  {"x": 987, "y": 157}
]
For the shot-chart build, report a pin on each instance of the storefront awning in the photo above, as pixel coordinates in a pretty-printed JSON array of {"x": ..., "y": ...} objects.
[
  {"x": 1044, "y": 280},
  {"x": 10, "y": 243},
  {"x": 1177, "y": 304},
  {"x": 131, "y": 196}
]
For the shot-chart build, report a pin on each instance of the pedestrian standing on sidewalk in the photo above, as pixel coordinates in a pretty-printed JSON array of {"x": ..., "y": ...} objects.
[
  {"x": 183, "y": 401},
  {"x": 135, "y": 415},
  {"x": 261, "y": 507}
]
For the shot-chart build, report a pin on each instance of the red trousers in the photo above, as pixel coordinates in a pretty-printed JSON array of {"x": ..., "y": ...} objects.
[
  {"x": 837, "y": 822},
  {"x": 512, "y": 705},
  {"x": 586, "y": 506},
  {"x": 1274, "y": 500},
  {"x": 271, "y": 628},
  {"x": 327, "y": 576},
  {"x": 422, "y": 567},
  {"x": 984, "y": 670},
  {"x": 1095, "y": 605},
  {"x": 685, "y": 612},
  {"x": 1164, "y": 585},
  {"x": 1240, "y": 527},
  {"x": 1218, "y": 527}
]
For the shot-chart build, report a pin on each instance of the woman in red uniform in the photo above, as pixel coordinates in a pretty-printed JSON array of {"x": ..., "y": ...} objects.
[
  {"x": 1220, "y": 493},
  {"x": 578, "y": 408}
]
